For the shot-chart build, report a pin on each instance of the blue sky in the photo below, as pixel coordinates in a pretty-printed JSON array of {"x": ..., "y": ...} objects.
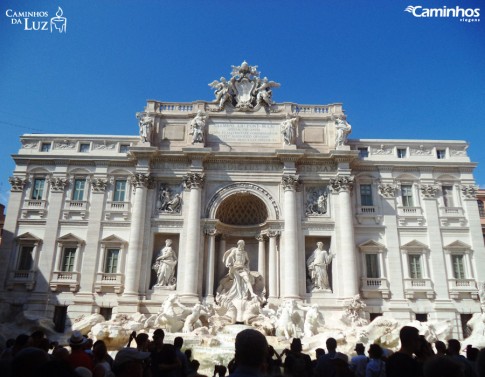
[{"x": 398, "y": 76}]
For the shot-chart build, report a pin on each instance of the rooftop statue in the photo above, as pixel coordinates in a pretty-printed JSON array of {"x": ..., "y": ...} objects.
[
  {"x": 343, "y": 131},
  {"x": 145, "y": 122},
  {"x": 245, "y": 90},
  {"x": 197, "y": 128}
]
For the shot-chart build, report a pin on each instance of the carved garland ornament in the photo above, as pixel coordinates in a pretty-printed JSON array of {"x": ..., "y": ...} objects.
[
  {"x": 17, "y": 183},
  {"x": 99, "y": 184}
]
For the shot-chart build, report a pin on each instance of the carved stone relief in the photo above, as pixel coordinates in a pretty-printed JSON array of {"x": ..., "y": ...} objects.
[
  {"x": 316, "y": 201},
  {"x": 387, "y": 190},
  {"x": 169, "y": 199},
  {"x": 428, "y": 191},
  {"x": 58, "y": 184}
]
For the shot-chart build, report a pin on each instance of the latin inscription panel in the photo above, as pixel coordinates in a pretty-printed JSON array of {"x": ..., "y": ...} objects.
[{"x": 249, "y": 133}]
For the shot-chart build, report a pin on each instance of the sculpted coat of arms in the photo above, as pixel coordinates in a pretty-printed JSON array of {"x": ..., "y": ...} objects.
[{"x": 245, "y": 90}]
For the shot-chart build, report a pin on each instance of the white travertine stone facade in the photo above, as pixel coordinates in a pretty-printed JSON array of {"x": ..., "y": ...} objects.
[{"x": 85, "y": 222}]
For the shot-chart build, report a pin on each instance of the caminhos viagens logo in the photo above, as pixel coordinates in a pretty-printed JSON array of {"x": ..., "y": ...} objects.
[{"x": 463, "y": 14}]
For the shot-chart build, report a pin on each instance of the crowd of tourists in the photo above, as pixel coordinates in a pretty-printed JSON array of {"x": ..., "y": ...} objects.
[{"x": 35, "y": 356}]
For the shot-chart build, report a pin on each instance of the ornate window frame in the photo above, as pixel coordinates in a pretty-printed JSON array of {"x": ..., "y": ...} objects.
[
  {"x": 416, "y": 287},
  {"x": 459, "y": 288},
  {"x": 67, "y": 278},
  {"x": 374, "y": 287},
  {"x": 111, "y": 282},
  {"x": 24, "y": 277}
]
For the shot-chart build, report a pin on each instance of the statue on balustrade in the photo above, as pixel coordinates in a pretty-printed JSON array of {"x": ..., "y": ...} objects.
[
  {"x": 318, "y": 265},
  {"x": 289, "y": 129},
  {"x": 165, "y": 266},
  {"x": 145, "y": 123},
  {"x": 240, "y": 286},
  {"x": 343, "y": 131}
]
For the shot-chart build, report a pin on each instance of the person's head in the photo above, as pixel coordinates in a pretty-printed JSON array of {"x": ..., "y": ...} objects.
[
  {"x": 251, "y": 348},
  {"x": 158, "y": 336},
  {"x": 178, "y": 342},
  {"x": 472, "y": 353},
  {"x": 319, "y": 352},
  {"x": 100, "y": 350},
  {"x": 220, "y": 370},
  {"x": 142, "y": 341},
  {"x": 77, "y": 340},
  {"x": 375, "y": 351},
  {"x": 295, "y": 345},
  {"x": 359, "y": 348},
  {"x": 440, "y": 347},
  {"x": 28, "y": 360},
  {"x": 454, "y": 347},
  {"x": 129, "y": 362},
  {"x": 409, "y": 337},
  {"x": 188, "y": 353},
  {"x": 331, "y": 344},
  {"x": 442, "y": 366},
  {"x": 195, "y": 365}
]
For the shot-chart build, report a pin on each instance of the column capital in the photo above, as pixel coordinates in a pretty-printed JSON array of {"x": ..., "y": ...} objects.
[
  {"x": 290, "y": 182},
  {"x": 99, "y": 184},
  {"x": 342, "y": 183},
  {"x": 17, "y": 183},
  {"x": 210, "y": 231},
  {"x": 58, "y": 184},
  {"x": 194, "y": 180},
  {"x": 469, "y": 191},
  {"x": 260, "y": 237},
  {"x": 428, "y": 191},
  {"x": 273, "y": 233},
  {"x": 387, "y": 190},
  {"x": 139, "y": 180}
]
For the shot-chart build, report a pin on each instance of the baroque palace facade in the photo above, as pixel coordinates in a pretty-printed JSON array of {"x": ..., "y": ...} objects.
[{"x": 114, "y": 224}]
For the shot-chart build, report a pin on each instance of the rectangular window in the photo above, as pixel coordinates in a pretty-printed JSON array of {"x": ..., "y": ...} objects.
[
  {"x": 68, "y": 259},
  {"x": 38, "y": 190},
  {"x": 45, "y": 147},
  {"x": 78, "y": 193},
  {"x": 407, "y": 195},
  {"x": 458, "y": 266},
  {"x": 372, "y": 265},
  {"x": 363, "y": 152},
  {"x": 467, "y": 331},
  {"x": 366, "y": 195},
  {"x": 120, "y": 190},
  {"x": 111, "y": 266},
  {"x": 26, "y": 258},
  {"x": 124, "y": 148},
  {"x": 106, "y": 313},
  {"x": 481, "y": 208},
  {"x": 421, "y": 317},
  {"x": 415, "y": 266},
  {"x": 84, "y": 148},
  {"x": 440, "y": 154},
  {"x": 448, "y": 196},
  {"x": 401, "y": 152}
]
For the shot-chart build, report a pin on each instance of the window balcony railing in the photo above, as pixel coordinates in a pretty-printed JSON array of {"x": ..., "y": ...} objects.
[
  {"x": 119, "y": 210},
  {"x": 21, "y": 277},
  {"x": 409, "y": 211},
  {"x": 460, "y": 287},
  {"x": 34, "y": 208},
  {"x": 108, "y": 281},
  {"x": 75, "y": 209},
  {"x": 412, "y": 287},
  {"x": 451, "y": 211},
  {"x": 65, "y": 278},
  {"x": 371, "y": 287}
]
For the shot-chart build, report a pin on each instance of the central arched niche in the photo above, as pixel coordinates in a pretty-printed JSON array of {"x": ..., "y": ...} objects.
[{"x": 242, "y": 209}]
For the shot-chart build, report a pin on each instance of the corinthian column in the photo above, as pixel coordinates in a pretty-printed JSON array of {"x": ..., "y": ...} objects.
[
  {"x": 346, "y": 251},
  {"x": 141, "y": 182},
  {"x": 211, "y": 233},
  {"x": 273, "y": 266},
  {"x": 193, "y": 181},
  {"x": 290, "y": 278}
]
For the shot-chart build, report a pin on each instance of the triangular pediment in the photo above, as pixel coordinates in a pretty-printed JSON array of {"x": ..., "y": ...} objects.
[
  {"x": 457, "y": 245},
  {"x": 27, "y": 236},
  {"x": 113, "y": 239},
  {"x": 371, "y": 245},
  {"x": 70, "y": 238},
  {"x": 414, "y": 244}
]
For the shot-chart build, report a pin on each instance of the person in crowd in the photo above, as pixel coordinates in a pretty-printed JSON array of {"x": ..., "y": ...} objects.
[
  {"x": 424, "y": 351},
  {"x": 359, "y": 362},
  {"x": 78, "y": 356},
  {"x": 440, "y": 348},
  {"x": 195, "y": 369},
  {"x": 325, "y": 366},
  {"x": 297, "y": 364},
  {"x": 341, "y": 364},
  {"x": 453, "y": 350},
  {"x": 471, "y": 353},
  {"x": 481, "y": 363},
  {"x": 129, "y": 362},
  {"x": 273, "y": 362},
  {"x": 27, "y": 362},
  {"x": 183, "y": 370},
  {"x": 219, "y": 371},
  {"x": 251, "y": 349},
  {"x": 402, "y": 362},
  {"x": 102, "y": 366},
  {"x": 442, "y": 366},
  {"x": 164, "y": 362},
  {"x": 376, "y": 367}
]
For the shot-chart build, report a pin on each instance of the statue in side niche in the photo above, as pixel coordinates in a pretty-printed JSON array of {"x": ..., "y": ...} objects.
[
  {"x": 165, "y": 266},
  {"x": 289, "y": 129},
  {"x": 318, "y": 267},
  {"x": 197, "y": 128},
  {"x": 145, "y": 122},
  {"x": 343, "y": 131}
]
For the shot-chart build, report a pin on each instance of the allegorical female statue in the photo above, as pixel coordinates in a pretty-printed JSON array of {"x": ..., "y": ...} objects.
[
  {"x": 318, "y": 266},
  {"x": 165, "y": 265}
]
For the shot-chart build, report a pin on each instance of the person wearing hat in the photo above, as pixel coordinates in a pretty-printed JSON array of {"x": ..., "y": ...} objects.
[
  {"x": 359, "y": 362},
  {"x": 297, "y": 364},
  {"x": 129, "y": 362},
  {"x": 79, "y": 358}
]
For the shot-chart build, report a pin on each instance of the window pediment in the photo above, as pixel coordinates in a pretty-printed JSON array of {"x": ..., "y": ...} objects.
[
  {"x": 113, "y": 239},
  {"x": 70, "y": 238},
  {"x": 27, "y": 237},
  {"x": 371, "y": 246},
  {"x": 414, "y": 246}
]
